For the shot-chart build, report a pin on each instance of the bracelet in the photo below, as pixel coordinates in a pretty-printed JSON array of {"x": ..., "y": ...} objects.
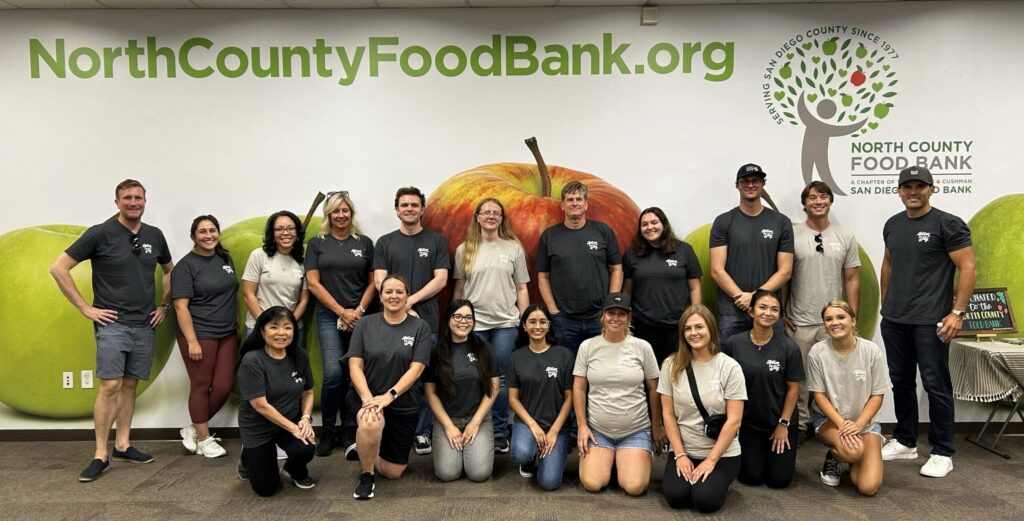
[
  {"x": 677, "y": 456},
  {"x": 306, "y": 417}
]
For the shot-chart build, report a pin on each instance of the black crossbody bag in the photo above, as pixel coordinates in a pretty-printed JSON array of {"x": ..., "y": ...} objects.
[{"x": 712, "y": 423}]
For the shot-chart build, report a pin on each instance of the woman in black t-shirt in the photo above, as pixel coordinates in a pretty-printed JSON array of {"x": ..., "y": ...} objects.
[
  {"x": 662, "y": 274},
  {"x": 460, "y": 386},
  {"x": 773, "y": 369},
  {"x": 276, "y": 386},
  {"x": 203, "y": 289}
]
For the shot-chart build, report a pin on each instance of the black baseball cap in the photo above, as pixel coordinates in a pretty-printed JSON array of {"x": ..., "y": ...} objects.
[
  {"x": 617, "y": 300},
  {"x": 915, "y": 173},
  {"x": 750, "y": 169}
]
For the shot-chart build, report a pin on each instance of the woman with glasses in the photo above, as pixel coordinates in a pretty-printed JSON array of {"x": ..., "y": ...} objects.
[
  {"x": 540, "y": 393},
  {"x": 491, "y": 271},
  {"x": 662, "y": 274},
  {"x": 388, "y": 354},
  {"x": 203, "y": 289},
  {"x": 773, "y": 370},
  {"x": 338, "y": 272},
  {"x": 460, "y": 386},
  {"x": 274, "y": 275},
  {"x": 615, "y": 380},
  {"x": 848, "y": 377}
]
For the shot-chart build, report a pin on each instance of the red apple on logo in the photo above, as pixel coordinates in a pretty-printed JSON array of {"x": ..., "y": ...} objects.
[
  {"x": 531, "y": 205},
  {"x": 857, "y": 78}
]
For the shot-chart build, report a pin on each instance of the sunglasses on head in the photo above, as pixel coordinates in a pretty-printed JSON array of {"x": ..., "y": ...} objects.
[{"x": 342, "y": 193}]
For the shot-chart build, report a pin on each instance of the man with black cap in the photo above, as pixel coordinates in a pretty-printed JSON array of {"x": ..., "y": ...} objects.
[
  {"x": 751, "y": 249},
  {"x": 921, "y": 313}
]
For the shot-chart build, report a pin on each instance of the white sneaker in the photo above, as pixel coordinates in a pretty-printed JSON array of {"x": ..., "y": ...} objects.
[
  {"x": 895, "y": 450},
  {"x": 937, "y": 466},
  {"x": 210, "y": 448},
  {"x": 189, "y": 438},
  {"x": 281, "y": 454}
]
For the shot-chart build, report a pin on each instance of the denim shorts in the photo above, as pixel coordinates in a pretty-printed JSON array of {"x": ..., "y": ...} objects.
[
  {"x": 818, "y": 419},
  {"x": 641, "y": 439},
  {"x": 123, "y": 351}
]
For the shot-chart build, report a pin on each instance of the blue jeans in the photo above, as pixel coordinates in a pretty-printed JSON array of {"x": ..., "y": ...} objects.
[
  {"x": 729, "y": 325},
  {"x": 549, "y": 469},
  {"x": 503, "y": 340},
  {"x": 571, "y": 332},
  {"x": 425, "y": 423},
  {"x": 333, "y": 345},
  {"x": 908, "y": 347}
]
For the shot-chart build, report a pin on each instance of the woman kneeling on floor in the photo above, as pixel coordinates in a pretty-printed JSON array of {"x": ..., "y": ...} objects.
[
  {"x": 847, "y": 377},
  {"x": 276, "y": 386}
]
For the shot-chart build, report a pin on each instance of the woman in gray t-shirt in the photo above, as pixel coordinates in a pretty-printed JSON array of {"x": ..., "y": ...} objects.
[{"x": 848, "y": 377}]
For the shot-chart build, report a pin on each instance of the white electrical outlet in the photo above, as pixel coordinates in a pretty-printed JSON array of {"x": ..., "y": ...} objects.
[
  {"x": 68, "y": 381},
  {"x": 87, "y": 379}
]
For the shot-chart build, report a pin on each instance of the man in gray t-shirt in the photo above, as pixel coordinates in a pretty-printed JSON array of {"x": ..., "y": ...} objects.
[
  {"x": 921, "y": 313},
  {"x": 826, "y": 265},
  {"x": 124, "y": 253},
  {"x": 751, "y": 249}
]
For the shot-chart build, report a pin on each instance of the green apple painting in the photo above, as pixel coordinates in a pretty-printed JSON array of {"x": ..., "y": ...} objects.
[{"x": 44, "y": 335}]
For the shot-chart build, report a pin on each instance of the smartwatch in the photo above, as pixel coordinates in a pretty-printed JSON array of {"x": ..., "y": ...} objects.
[
  {"x": 393, "y": 393},
  {"x": 959, "y": 314},
  {"x": 167, "y": 307},
  {"x": 784, "y": 422}
]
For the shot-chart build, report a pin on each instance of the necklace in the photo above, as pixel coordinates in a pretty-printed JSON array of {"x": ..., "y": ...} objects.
[{"x": 761, "y": 344}]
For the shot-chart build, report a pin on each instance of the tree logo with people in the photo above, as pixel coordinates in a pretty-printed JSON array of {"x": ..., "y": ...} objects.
[{"x": 833, "y": 81}]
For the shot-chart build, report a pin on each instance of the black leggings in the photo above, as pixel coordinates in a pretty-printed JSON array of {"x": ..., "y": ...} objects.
[
  {"x": 763, "y": 466},
  {"x": 706, "y": 496},
  {"x": 261, "y": 462}
]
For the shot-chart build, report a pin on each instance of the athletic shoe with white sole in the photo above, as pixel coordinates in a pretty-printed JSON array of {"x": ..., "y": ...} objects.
[
  {"x": 281, "y": 454},
  {"x": 895, "y": 450},
  {"x": 937, "y": 466},
  {"x": 422, "y": 445},
  {"x": 189, "y": 438},
  {"x": 364, "y": 490},
  {"x": 210, "y": 448},
  {"x": 305, "y": 483},
  {"x": 831, "y": 471}
]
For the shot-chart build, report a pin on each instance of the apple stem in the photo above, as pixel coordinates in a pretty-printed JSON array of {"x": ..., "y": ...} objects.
[
  {"x": 545, "y": 177},
  {"x": 768, "y": 199}
]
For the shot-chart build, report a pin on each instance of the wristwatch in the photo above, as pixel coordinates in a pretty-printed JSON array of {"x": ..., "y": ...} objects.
[
  {"x": 959, "y": 314},
  {"x": 784, "y": 422},
  {"x": 167, "y": 307},
  {"x": 393, "y": 393}
]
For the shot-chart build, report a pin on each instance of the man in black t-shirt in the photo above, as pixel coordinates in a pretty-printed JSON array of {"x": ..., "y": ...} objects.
[
  {"x": 421, "y": 256},
  {"x": 578, "y": 263},
  {"x": 921, "y": 313},
  {"x": 124, "y": 253},
  {"x": 751, "y": 249}
]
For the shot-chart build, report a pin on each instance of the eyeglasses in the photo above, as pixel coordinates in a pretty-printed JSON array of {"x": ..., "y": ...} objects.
[
  {"x": 819, "y": 247},
  {"x": 490, "y": 214},
  {"x": 284, "y": 229},
  {"x": 537, "y": 322},
  {"x": 136, "y": 244},
  {"x": 462, "y": 318},
  {"x": 342, "y": 193},
  {"x": 752, "y": 182}
]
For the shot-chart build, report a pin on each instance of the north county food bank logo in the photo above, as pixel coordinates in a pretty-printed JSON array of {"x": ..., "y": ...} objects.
[{"x": 834, "y": 81}]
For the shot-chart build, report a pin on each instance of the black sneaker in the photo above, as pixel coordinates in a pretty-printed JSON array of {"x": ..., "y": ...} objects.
[
  {"x": 831, "y": 470},
  {"x": 528, "y": 470},
  {"x": 131, "y": 454},
  {"x": 325, "y": 445},
  {"x": 364, "y": 490},
  {"x": 501, "y": 445},
  {"x": 93, "y": 471},
  {"x": 242, "y": 473},
  {"x": 422, "y": 445},
  {"x": 305, "y": 483},
  {"x": 348, "y": 443}
]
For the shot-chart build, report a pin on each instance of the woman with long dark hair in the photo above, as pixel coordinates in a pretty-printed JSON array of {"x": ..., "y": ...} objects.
[
  {"x": 773, "y": 369},
  {"x": 276, "y": 387},
  {"x": 274, "y": 275},
  {"x": 662, "y": 274},
  {"x": 700, "y": 467},
  {"x": 491, "y": 272},
  {"x": 338, "y": 262},
  {"x": 389, "y": 352},
  {"x": 460, "y": 386},
  {"x": 540, "y": 393},
  {"x": 203, "y": 289}
]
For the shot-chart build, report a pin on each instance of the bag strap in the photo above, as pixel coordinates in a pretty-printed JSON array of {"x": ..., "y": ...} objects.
[{"x": 695, "y": 392}]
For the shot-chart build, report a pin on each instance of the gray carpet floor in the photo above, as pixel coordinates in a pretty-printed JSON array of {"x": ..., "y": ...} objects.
[{"x": 39, "y": 481}]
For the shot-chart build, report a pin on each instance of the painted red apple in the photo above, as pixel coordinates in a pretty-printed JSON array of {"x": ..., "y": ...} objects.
[
  {"x": 528, "y": 205},
  {"x": 857, "y": 78}
]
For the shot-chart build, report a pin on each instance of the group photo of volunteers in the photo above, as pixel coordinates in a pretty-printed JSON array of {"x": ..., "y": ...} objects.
[{"x": 622, "y": 360}]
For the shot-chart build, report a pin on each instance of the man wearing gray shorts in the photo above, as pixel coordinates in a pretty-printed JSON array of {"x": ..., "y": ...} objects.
[{"x": 124, "y": 254}]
